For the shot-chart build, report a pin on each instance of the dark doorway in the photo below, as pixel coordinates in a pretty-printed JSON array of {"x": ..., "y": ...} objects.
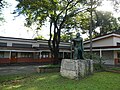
[{"x": 14, "y": 56}]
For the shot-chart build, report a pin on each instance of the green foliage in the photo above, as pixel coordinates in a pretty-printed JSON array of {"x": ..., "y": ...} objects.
[
  {"x": 53, "y": 81},
  {"x": 115, "y": 68},
  {"x": 94, "y": 56},
  {"x": 1, "y": 18},
  {"x": 65, "y": 38},
  {"x": 57, "y": 12},
  {"x": 116, "y": 4},
  {"x": 97, "y": 67},
  {"x": 2, "y": 5},
  {"x": 39, "y": 38},
  {"x": 107, "y": 22},
  {"x": 98, "y": 62},
  {"x": 38, "y": 11}
]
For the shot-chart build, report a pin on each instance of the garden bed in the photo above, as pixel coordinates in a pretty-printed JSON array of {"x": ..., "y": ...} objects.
[
  {"x": 113, "y": 69},
  {"x": 48, "y": 68}
]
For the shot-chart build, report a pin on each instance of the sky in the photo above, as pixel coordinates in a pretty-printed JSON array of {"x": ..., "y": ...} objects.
[{"x": 14, "y": 27}]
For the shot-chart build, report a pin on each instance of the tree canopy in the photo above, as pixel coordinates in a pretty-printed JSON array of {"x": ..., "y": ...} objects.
[
  {"x": 65, "y": 15},
  {"x": 2, "y": 5},
  {"x": 103, "y": 23},
  {"x": 57, "y": 12},
  {"x": 39, "y": 38}
]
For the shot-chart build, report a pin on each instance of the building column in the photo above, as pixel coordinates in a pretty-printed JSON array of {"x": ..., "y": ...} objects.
[
  {"x": 100, "y": 53},
  {"x": 10, "y": 55},
  {"x": 63, "y": 55},
  {"x": 40, "y": 55},
  {"x": 49, "y": 55},
  {"x": 115, "y": 57}
]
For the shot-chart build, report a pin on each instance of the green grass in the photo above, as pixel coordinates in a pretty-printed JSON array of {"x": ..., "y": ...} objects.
[
  {"x": 53, "y": 81},
  {"x": 115, "y": 68}
]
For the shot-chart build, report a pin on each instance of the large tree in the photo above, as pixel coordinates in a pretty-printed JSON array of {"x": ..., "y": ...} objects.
[
  {"x": 106, "y": 22},
  {"x": 116, "y": 4},
  {"x": 0, "y": 2},
  {"x": 103, "y": 23},
  {"x": 57, "y": 12},
  {"x": 1, "y": 6},
  {"x": 3, "y": 3}
]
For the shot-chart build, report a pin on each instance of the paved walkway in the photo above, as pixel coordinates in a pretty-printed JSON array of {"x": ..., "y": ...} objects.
[{"x": 6, "y": 70}]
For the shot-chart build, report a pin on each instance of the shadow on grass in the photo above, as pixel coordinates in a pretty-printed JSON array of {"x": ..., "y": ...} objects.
[{"x": 53, "y": 81}]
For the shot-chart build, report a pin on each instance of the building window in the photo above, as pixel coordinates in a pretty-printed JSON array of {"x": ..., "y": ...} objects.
[
  {"x": 1, "y": 54},
  {"x": 43, "y": 46},
  {"x": 3, "y": 44},
  {"x": 26, "y": 55},
  {"x": 45, "y": 54},
  {"x": 118, "y": 44},
  {"x": 118, "y": 55},
  {"x": 60, "y": 54},
  {"x": 67, "y": 55},
  {"x": 36, "y": 55}
]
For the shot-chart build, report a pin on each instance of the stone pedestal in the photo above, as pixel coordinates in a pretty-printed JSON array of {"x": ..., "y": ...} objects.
[{"x": 76, "y": 69}]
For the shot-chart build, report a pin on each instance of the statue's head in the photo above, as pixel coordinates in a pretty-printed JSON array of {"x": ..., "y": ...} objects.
[{"x": 78, "y": 35}]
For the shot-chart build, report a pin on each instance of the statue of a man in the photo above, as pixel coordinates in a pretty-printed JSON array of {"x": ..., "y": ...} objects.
[{"x": 78, "y": 47}]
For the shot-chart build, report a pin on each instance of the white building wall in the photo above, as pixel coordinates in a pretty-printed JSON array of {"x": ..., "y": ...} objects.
[
  {"x": 9, "y": 43},
  {"x": 20, "y": 42},
  {"x": 115, "y": 40},
  {"x": 102, "y": 42},
  {"x": 108, "y": 57},
  {"x": 35, "y": 45}
]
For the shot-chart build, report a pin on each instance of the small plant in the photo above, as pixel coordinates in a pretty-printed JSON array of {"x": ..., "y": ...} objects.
[{"x": 98, "y": 62}]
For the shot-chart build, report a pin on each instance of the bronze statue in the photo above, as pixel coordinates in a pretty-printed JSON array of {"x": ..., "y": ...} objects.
[{"x": 78, "y": 47}]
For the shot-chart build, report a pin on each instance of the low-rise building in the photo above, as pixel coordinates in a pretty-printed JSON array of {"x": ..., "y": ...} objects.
[
  {"x": 107, "y": 47},
  {"x": 17, "y": 50}
]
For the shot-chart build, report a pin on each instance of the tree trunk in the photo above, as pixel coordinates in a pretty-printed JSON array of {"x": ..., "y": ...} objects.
[
  {"x": 91, "y": 28},
  {"x": 50, "y": 39}
]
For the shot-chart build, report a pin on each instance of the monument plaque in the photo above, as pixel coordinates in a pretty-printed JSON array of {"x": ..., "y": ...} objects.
[{"x": 69, "y": 66}]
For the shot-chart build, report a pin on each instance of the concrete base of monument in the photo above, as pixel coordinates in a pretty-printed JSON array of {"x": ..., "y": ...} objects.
[{"x": 76, "y": 69}]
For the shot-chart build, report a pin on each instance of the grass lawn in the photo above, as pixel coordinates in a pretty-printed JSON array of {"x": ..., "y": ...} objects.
[
  {"x": 53, "y": 81},
  {"x": 115, "y": 68}
]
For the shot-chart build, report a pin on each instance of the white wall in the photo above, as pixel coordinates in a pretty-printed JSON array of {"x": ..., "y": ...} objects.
[
  {"x": 103, "y": 42},
  {"x": 9, "y": 43},
  {"x": 116, "y": 39},
  {"x": 35, "y": 45},
  {"x": 109, "y": 62},
  {"x": 108, "y": 57}
]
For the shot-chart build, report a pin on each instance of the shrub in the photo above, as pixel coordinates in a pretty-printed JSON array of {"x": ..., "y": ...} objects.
[{"x": 98, "y": 62}]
